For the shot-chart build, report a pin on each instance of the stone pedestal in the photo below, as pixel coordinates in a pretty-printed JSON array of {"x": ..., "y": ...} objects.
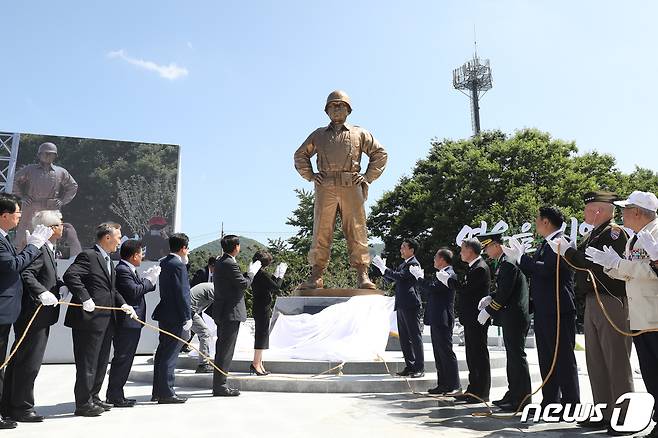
[{"x": 314, "y": 300}]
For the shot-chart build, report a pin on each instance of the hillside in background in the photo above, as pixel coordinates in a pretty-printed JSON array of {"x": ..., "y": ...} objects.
[{"x": 214, "y": 247}]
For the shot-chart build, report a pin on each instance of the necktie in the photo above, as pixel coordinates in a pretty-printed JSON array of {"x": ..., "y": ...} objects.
[{"x": 107, "y": 263}]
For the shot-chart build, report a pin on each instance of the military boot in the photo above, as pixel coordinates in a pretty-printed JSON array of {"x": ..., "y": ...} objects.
[
  {"x": 315, "y": 280},
  {"x": 363, "y": 279}
]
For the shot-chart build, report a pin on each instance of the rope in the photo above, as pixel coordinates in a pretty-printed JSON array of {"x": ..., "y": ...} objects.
[{"x": 153, "y": 327}]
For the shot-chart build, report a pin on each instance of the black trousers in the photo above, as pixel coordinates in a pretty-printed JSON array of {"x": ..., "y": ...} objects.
[
  {"x": 477, "y": 358},
  {"x": 4, "y": 340},
  {"x": 164, "y": 363},
  {"x": 562, "y": 386},
  {"x": 518, "y": 374},
  {"x": 227, "y": 334},
  {"x": 22, "y": 371},
  {"x": 125, "y": 345},
  {"x": 446, "y": 362},
  {"x": 411, "y": 338},
  {"x": 91, "y": 350},
  {"x": 646, "y": 346}
]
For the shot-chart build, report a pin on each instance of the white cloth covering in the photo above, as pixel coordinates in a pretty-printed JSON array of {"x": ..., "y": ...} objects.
[{"x": 357, "y": 329}]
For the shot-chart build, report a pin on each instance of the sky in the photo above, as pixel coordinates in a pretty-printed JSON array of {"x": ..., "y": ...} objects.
[{"x": 239, "y": 85}]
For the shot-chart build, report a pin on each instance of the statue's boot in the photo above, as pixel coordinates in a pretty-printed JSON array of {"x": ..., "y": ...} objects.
[
  {"x": 363, "y": 279},
  {"x": 315, "y": 280}
]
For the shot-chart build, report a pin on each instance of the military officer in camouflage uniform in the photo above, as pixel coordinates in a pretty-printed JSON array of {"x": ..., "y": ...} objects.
[
  {"x": 340, "y": 187},
  {"x": 606, "y": 351},
  {"x": 42, "y": 186}
]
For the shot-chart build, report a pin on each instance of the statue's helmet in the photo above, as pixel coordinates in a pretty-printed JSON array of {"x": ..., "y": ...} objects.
[
  {"x": 338, "y": 96},
  {"x": 47, "y": 147}
]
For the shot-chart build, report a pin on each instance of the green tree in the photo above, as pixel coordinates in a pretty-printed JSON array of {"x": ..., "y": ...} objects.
[{"x": 489, "y": 178}]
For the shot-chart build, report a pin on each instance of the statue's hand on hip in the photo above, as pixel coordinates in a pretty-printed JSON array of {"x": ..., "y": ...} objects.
[
  {"x": 358, "y": 179},
  {"x": 318, "y": 177}
]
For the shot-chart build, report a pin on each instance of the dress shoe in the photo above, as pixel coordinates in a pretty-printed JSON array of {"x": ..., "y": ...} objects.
[
  {"x": 154, "y": 398},
  {"x": 436, "y": 391},
  {"x": 417, "y": 374},
  {"x": 28, "y": 417},
  {"x": 7, "y": 423},
  {"x": 102, "y": 404},
  {"x": 89, "y": 410},
  {"x": 253, "y": 370},
  {"x": 454, "y": 392},
  {"x": 469, "y": 399},
  {"x": 125, "y": 403},
  {"x": 204, "y": 368},
  {"x": 502, "y": 401},
  {"x": 225, "y": 391},
  {"x": 404, "y": 373},
  {"x": 174, "y": 399},
  {"x": 509, "y": 406},
  {"x": 593, "y": 424}
]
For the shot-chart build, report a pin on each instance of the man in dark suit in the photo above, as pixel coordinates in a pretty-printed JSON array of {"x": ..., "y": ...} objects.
[
  {"x": 204, "y": 275},
  {"x": 470, "y": 291},
  {"x": 408, "y": 308},
  {"x": 40, "y": 286},
  {"x": 440, "y": 316},
  {"x": 132, "y": 288},
  {"x": 173, "y": 315},
  {"x": 91, "y": 280},
  {"x": 12, "y": 264},
  {"x": 562, "y": 387},
  {"x": 508, "y": 306},
  {"x": 229, "y": 309}
]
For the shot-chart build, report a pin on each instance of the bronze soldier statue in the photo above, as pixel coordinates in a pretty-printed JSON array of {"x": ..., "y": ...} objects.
[
  {"x": 42, "y": 186},
  {"x": 340, "y": 187}
]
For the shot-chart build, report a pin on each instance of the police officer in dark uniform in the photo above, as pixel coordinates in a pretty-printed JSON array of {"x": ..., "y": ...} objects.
[
  {"x": 607, "y": 351},
  {"x": 562, "y": 386},
  {"x": 508, "y": 306}
]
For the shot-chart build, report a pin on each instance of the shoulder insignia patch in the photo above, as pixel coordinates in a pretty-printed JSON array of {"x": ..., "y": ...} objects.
[{"x": 615, "y": 232}]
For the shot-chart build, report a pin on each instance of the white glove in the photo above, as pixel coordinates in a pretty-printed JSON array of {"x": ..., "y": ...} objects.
[
  {"x": 188, "y": 324},
  {"x": 89, "y": 305},
  {"x": 515, "y": 250},
  {"x": 129, "y": 311},
  {"x": 564, "y": 245},
  {"x": 483, "y": 316},
  {"x": 608, "y": 258},
  {"x": 443, "y": 277},
  {"x": 152, "y": 274},
  {"x": 484, "y": 302},
  {"x": 380, "y": 263},
  {"x": 280, "y": 270},
  {"x": 648, "y": 243},
  {"x": 39, "y": 236},
  {"x": 253, "y": 268},
  {"x": 48, "y": 299},
  {"x": 64, "y": 292},
  {"x": 417, "y": 271}
]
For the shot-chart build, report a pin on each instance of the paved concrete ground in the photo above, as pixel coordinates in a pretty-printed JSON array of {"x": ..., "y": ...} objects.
[{"x": 255, "y": 414}]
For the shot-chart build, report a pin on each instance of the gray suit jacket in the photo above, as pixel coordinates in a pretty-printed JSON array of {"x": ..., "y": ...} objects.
[{"x": 230, "y": 285}]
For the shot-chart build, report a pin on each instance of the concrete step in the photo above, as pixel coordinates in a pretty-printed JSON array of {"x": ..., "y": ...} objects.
[
  {"x": 353, "y": 383},
  {"x": 394, "y": 360},
  {"x": 492, "y": 341}
]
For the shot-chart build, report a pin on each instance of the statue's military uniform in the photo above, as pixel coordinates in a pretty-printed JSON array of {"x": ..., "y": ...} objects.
[
  {"x": 339, "y": 150},
  {"x": 49, "y": 188}
]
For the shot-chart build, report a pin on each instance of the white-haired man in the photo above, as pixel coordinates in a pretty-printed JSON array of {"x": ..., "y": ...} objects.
[
  {"x": 40, "y": 286},
  {"x": 637, "y": 269}
]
